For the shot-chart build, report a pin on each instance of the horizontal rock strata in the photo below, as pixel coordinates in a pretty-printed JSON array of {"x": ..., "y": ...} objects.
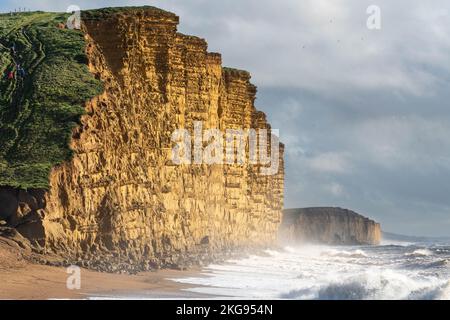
[
  {"x": 334, "y": 226},
  {"x": 121, "y": 199}
]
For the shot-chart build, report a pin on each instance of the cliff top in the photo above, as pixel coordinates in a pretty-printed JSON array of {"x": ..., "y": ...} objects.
[
  {"x": 237, "y": 73},
  {"x": 43, "y": 86},
  {"x": 321, "y": 211},
  {"x": 147, "y": 11}
]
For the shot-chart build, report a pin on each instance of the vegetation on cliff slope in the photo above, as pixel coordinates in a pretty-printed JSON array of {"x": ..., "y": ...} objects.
[
  {"x": 40, "y": 106},
  {"x": 108, "y": 12}
]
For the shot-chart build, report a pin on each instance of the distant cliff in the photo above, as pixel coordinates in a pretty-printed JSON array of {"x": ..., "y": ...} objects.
[
  {"x": 120, "y": 202},
  {"x": 328, "y": 226}
]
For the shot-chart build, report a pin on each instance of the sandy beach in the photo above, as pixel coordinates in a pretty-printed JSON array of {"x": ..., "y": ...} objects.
[
  {"x": 20, "y": 279},
  {"x": 42, "y": 282}
]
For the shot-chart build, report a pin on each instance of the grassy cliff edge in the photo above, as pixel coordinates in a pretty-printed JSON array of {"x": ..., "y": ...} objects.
[{"x": 39, "y": 109}]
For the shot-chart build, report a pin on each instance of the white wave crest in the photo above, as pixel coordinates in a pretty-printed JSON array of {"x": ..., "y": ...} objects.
[
  {"x": 419, "y": 253},
  {"x": 345, "y": 254}
]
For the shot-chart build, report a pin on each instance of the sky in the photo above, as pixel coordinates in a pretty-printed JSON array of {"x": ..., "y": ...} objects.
[{"x": 364, "y": 113}]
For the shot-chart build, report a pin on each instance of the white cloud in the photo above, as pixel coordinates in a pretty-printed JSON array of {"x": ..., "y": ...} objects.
[
  {"x": 330, "y": 162},
  {"x": 335, "y": 189}
]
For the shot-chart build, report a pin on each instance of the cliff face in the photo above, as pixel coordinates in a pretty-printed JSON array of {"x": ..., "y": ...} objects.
[
  {"x": 121, "y": 198},
  {"x": 328, "y": 226}
]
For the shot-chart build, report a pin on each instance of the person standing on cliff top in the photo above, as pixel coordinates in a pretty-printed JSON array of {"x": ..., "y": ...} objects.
[
  {"x": 11, "y": 75},
  {"x": 20, "y": 71},
  {"x": 13, "y": 48}
]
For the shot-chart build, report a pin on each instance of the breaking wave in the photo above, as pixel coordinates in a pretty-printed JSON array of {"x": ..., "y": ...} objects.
[
  {"x": 419, "y": 253},
  {"x": 345, "y": 254},
  {"x": 332, "y": 273}
]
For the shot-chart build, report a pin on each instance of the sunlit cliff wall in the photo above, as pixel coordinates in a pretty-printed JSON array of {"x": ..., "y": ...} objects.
[{"x": 121, "y": 198}]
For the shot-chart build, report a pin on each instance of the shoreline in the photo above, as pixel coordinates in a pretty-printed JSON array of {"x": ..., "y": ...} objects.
[
  {"x": 25, "y": 275},
  {"x": 22, "y": 279}
]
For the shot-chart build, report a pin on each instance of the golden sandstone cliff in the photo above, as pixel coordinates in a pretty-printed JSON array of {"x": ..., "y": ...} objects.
[
  {"x": 122, "y": 199},
  {"x": 334, "y": 226}
]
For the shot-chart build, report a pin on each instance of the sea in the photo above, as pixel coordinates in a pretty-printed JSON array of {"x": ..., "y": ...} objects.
[{"x": 410, "y": 270}]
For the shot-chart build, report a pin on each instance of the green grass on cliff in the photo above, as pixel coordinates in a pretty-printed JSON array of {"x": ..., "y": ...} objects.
[
  {"x": 39, "y": 111},
  {"x": 104, "y": 13}
]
